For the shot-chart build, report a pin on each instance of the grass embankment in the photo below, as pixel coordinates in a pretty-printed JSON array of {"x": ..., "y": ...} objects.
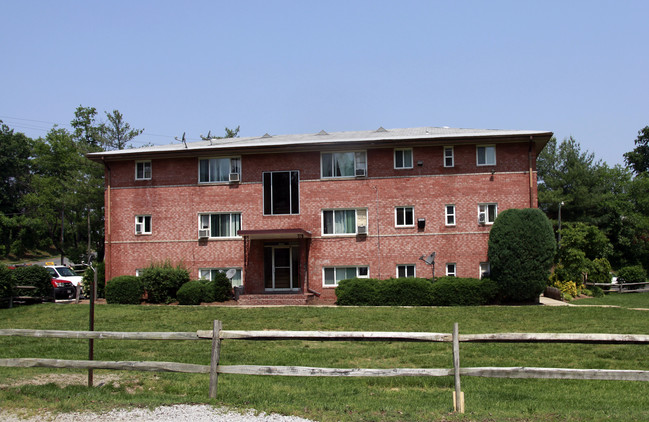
[
  {"x": 623, "y": 300},
  {"x": 333, "y": 399}
]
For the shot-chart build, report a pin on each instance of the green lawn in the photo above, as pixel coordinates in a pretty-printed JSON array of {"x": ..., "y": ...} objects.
[
  {"x": 333, "y": 399},
  {"x": 625, "y": 300}
]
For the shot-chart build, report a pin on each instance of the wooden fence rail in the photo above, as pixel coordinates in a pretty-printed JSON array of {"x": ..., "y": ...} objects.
[
  {"x": 217, "y": 335},
  {"x": 622, "y": 287}
]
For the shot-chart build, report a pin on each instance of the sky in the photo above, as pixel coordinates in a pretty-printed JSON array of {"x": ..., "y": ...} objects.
[{"x": 576, "y": 68}]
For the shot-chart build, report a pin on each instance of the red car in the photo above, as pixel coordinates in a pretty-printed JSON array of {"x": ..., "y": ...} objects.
[{"x": 61, "y": 289}]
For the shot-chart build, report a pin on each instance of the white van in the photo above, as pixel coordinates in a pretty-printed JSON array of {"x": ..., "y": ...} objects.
[{"x": 62, "y": 272}]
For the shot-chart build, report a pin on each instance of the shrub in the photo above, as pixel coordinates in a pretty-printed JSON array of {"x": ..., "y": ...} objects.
[
  {"x": 358, "y": 292},
  {"x": 7, "y": 281},
  {"x": 521, "y": 252},
  {"x": 566, "y": 287},
  {"x": 162, "y": 281},
  {"x": 37, "y": 276},
  {"x": 194, "y": 292},
  {"x": 597, "y": 291},
  {"x": 220, "y": 287},
  {"x": 88, "y": 277},
  {"x": 632, "y": 274},
  {"x": 125, "y": 290},
  {"x": 406, "y": 291},
  {"x": 600, "y": 271},
  {"x": 455, "y": 291}
]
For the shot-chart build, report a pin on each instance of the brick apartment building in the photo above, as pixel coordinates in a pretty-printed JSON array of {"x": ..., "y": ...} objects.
[{"x": 292, "y": 215}]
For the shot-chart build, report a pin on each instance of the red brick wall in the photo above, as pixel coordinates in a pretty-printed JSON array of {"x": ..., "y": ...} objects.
[{"x": 174, "y": 199}]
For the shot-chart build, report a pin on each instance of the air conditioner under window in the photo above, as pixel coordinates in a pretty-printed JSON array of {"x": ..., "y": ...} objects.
[
  {"x": 138, "y": 228},
  {"x": 203, "y": 234},
  {"x": 360, "y": 172},
  {"x": 482, "y": 218},
  {"x": 234, "y": 177},
  {"x": 361, "y": 229}
]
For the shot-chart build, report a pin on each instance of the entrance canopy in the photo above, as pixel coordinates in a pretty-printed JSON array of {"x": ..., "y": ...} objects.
[{"x": 275, "y": 234}]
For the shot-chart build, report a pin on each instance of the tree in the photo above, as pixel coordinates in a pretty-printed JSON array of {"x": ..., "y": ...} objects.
[
  {"x": 638, "y": 159},
  {"x": 116, "y": 132},
  {"x": 581, "y": 246},
  {"x": 521, "y": 253},
  {"x": 86, "y": 130},
  {"x": 15, "y": 149}
]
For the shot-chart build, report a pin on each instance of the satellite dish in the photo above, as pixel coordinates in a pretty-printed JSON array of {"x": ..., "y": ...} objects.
[
  {"x": 430, "y": 259},
  {"x": 230, "y": 273}
]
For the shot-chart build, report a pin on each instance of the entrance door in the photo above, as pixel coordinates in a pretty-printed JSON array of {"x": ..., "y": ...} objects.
[{"x": 281, "y": 265}]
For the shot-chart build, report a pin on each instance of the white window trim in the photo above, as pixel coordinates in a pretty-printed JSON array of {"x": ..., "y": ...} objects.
[
  {"x": 229, "y": 157},
  {"x": 322, "y": 227},
  {"x": 476, "y": 155},
  {"x": 446, "y": 215},
  {"x": 412, "y": 159},
  {"x": 322, "y": 154},
  {"x": 414, "y": 267},
  {"x": 143, "y": 224},
  {"x": 452, "y": 156},
  {"x": 335, "y": 267},
  {"x": 454, "y": 266},
  {"x": 200, "y": 227},
  {"x": 223, "y": 270},
  {"x": 486, "y": 212},
  {"x": 480, "y": 272},
  {"x": 150, "y": 169},
  {"x": 396, "y": 212}
]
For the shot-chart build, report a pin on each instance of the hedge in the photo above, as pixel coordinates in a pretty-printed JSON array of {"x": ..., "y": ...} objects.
[
  {"x": 455, "y": 291},
  {"x": 7, "y": 281},
  {"x": 37, "y": 276},
  {"x": 162, "y": 281},
  {"x": 194, "y": 292},
  {"x": 125, "y": 290}
]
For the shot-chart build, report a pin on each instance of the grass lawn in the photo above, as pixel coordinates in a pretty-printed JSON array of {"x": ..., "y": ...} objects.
[
  {"x": 624, "y": 300},
  {"x": 334, "y": 399}
]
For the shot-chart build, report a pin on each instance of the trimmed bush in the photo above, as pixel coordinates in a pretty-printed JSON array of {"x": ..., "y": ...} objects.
[
  {"x": 221, "y": 288},
  {"x": 162, "y": 281},
  {"x": 632, "y": 274},
  {"x": 7, "y": 281},
  {"x": 407, "y": 291},
  {"x": 455, "y": 291},
  {"x": 521, "y": 253},
  {"x": 88, "y": 278},
  {"x": 34, "y": 275},
  {"x": 600, "y": 271},
  {"x": 125, "y": 290},
  {"x": 357, "y": 292},
  {"x": 194, "y": 292}
]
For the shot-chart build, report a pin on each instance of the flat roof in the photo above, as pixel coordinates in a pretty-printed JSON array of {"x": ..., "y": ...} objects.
[{"x": 378, "y": 137}]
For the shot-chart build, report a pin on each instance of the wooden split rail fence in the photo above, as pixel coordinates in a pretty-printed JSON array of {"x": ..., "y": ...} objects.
[{"x": 217, "y": 335}]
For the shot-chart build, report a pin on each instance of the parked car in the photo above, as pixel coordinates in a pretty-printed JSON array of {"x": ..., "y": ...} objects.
[
  {"x": 61, "y": 289},
  {"x": 61, "y": 272}
]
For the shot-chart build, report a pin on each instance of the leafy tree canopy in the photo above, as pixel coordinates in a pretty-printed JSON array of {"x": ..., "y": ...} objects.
[{"x": 638, "y": 159}]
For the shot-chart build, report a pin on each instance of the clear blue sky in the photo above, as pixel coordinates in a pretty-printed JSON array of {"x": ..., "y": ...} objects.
[{"x": 577, "y": 68}]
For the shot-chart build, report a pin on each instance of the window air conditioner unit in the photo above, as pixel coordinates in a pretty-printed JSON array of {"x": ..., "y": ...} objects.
[
  {"x": 360, "y": 172},
  {"x": 203, "y": 234},
  {"x": 234, "y": 177},
  {"x": 361, "y": 230},
  {"x": 138, "y": 231},
  {"x": 138, "y": 228},
  {"x": 482, "y": 218}
]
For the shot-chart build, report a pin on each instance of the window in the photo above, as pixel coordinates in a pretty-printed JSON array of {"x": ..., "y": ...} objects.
[
  {"x": 343, "y": 164},
  {"x": 333, "y": 275},
  {"x": 143, "y": 170},
  {"x": 281, "y": 192},
  {"x": 142, "y": 224},
  {"x": 220, "y": 225},
  {"x": 138, "y": 272},
  {"x": 405, "y": 216},
  {"x": 486, "y": 155},
  {"x": 218, "y": 169},
  {"x": 485, "y": 269},
  {"x": 344, "y": 221},
  {"x": 403, "y": 158},
  {"x": 487, "y": 213},
  {"x": 451, "y": 269},
  {"x": 407, "y": 270},
  {"x": 210, "y": 274},
  {"x": 449, "y": 159},
  {"x": 450, "y": 215}
]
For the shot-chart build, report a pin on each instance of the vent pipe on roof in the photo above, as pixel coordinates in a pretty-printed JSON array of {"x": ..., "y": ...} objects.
[
  {"x": 323, "y": 132},
  {"x": 381, "y": 129}
]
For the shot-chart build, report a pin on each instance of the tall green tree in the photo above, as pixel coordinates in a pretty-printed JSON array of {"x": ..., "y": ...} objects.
[
  {"x": 117, "y": 133},
  {"x": 15, "y": 149},
  {"x": 638, "y": 159}
]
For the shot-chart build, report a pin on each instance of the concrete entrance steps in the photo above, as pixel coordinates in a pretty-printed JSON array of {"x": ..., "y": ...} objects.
[{"x": 276, "y": 299}]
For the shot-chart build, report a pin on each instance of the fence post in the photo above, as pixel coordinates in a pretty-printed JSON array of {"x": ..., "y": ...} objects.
[
  {"x": 458, "y": 395},
  {"x": 216, "y": 354}
]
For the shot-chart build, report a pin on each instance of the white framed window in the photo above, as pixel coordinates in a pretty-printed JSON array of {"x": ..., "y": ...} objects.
[
  {"x": 281, "y": 192},
  {"x": 138, "y": 272},
  {"x": 449, "y": 157},
  {"x": 404, "y": 216},
  {"x": 485, "y": 269},
  {"x": 209, "y": 274},
  {"x": 403, "y": 158},
  {"x": 343, "y": 164},
  {"x": 487, "y": 213},
  {"x": 344, "y": 221},
  {"x": 143, "y": 170},
  {"x": 486, "y": 155},
  {"x": 142, "y": 224},
  {"x": 406, "y": 270},
  {"x": 223, "y": 169},
  {"x": 220, "y": 224},
  {"x": 449, "y": 214},
  {"x": 331, "y": 276},
  {"x": 451, "y": 269}
]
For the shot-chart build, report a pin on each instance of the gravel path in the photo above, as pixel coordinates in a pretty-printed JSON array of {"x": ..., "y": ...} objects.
[{"x": 182, "y": 412}]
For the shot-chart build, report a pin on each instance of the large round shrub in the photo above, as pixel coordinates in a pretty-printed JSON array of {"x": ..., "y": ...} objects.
[
  {"x": 37, "y": 276},
  {"x": 405, "y": 291},
  {"x": 632, "y": 274},
  {"x": 521, "y": 253},
  {"x": 600, "y": 271},
  {"x": 125, "y": 290},
  {"x": 162, "y": 282},
  {"x": 221, "y": 287},
  {"x": 455, "y": 291},
  {"x": 193, "y": 292},
  {"x": 7, "y": 281},
  {"x": 357, "y": 292}
]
